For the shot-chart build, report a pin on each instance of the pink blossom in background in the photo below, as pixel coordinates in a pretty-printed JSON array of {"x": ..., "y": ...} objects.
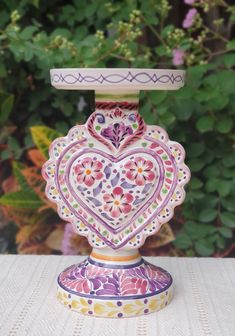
[
  {"x": 66, "y": 246},
  {"x": 189, "y": 19},
  {"x": 178, "y": 57},
  {"x": 189, "y": 2}
]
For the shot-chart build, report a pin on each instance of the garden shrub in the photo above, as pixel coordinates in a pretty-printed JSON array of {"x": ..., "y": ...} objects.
[{"x": 37, "y": 35}]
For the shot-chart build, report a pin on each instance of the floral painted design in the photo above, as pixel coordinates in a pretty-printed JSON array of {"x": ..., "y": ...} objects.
[
  {"x": 88, "y": 171},
  {"x": 140, "y": 170},
  {"x": 115, "y": 308},
  {"x": 89, "y": 280},
  {"x": 81, "y": 174},
  {"x": 118, "y": 202},
  {"x": 116, "y": 133}
]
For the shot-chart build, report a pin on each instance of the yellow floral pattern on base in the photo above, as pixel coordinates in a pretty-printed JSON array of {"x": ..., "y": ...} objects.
[{"x": 115, "y": 308}]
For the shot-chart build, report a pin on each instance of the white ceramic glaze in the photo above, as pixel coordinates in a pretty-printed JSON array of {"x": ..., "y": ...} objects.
[
  {"x": 117, "y": 180},
  {"x": 112, "y": 79}
]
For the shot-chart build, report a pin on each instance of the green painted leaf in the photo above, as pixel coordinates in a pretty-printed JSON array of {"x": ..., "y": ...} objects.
[
  {"x": 228, "y": 219},
  {"x": 42, "y": 138},
  {"x": 21, "y": 199}
]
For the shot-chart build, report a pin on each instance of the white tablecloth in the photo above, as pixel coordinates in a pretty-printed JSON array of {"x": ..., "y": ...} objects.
[{"x": 203, "y": 303}]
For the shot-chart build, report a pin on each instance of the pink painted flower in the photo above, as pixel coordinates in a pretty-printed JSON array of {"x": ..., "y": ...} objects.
[
  {"x": 140, "y": 171},
  {"x": 117, "y": 202},
  {"x": 88, "y": 171},
  {"x": 189, "y": 2},
  {"x": 178, "y": 57},
  {"x": 190, "y": 18}
]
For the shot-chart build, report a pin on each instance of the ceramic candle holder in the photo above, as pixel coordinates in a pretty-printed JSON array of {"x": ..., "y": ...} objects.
[{"x": 117, "y": 180}]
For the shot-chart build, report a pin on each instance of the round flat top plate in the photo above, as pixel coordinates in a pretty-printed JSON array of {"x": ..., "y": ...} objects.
[{"x": 120, "y": 79}]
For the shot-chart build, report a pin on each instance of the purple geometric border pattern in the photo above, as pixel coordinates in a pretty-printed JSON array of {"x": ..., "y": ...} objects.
[{"x": 141, "y": 78}]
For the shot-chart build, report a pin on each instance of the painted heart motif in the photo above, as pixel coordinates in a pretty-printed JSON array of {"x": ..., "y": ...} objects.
[
  {"x": 116, "y": 199},
  {"x": 114, "y": 190}
]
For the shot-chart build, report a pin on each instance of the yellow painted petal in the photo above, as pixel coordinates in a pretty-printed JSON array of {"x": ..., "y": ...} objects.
[
  {"x": 75, "y": 304},
  {"x": 139, "y": 302},
  {"x": 129, "y": 308},
  {"x": 111, "y": 305},
  {"x": 99, "y": 308},
  {"x": 83, "y": 302},
  {"x": 153, "y": 304},
  {"x": 112, "y": 313},
  {"x": 84, "y": 310}
]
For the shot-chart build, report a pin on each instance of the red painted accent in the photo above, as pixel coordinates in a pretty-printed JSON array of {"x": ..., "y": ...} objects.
[{"x": 112, "y": 105}]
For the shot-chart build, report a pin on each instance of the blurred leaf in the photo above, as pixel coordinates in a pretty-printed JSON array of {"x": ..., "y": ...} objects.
[
  {"x": 54, "y": 239},
  {"x": 37, "y": 184},
  {"x": 6, "y": 109},
  {"x": 28, "y": 32},
  {"x": 207, "y": 215},
  {"x": 229, "y": 204},
  {"x": 196, "y": 165},
  {"x": 205, "y": 124},
  {"x": 36, "y": 157},
  {"x": 225, "y": 232},
  {"x": 203, "y": 248},
  {"x": 17, "y": 167},
  {"x": 228, "y": 219},
  {"x": 220, "y": 242},
  {"x": 224, "y": 187},
  {"x": 195, "y": 183},
  {"x": 163, "y": 237},
  {"x": 21, "y": 199},
  {"x": 42, "y": 137},
  {"x": 231, "y": 44},
  {"x": 183, "y": 241},
  {"x": 195, "y": 149},
  {"x": 224, "y": 126}
]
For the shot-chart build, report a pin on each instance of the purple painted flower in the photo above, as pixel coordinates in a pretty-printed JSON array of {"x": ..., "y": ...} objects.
[
  {"x": 178, "y": 57},
  {"x": 116, "y": 133},
  {"x": 66, "y": 246},
  {"x": 189, "y": 2},
  {"x": 190, "y": 18}
]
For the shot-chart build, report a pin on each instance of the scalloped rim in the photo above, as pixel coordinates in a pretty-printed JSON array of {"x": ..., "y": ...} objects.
[{"x": 89, "y": 233}]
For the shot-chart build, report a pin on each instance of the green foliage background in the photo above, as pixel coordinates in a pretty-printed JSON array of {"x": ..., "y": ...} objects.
[{"x": 38, "y": 35}]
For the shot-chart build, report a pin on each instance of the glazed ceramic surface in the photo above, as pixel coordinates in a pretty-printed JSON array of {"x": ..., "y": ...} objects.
[{"x": 117, "y": 180}]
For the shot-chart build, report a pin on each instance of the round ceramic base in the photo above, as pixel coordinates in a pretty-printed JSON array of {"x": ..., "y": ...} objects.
[{"x": 115, "y": 291}]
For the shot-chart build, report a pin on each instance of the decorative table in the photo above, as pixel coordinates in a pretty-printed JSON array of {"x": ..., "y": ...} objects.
[{"x": 117, "y": 180}]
